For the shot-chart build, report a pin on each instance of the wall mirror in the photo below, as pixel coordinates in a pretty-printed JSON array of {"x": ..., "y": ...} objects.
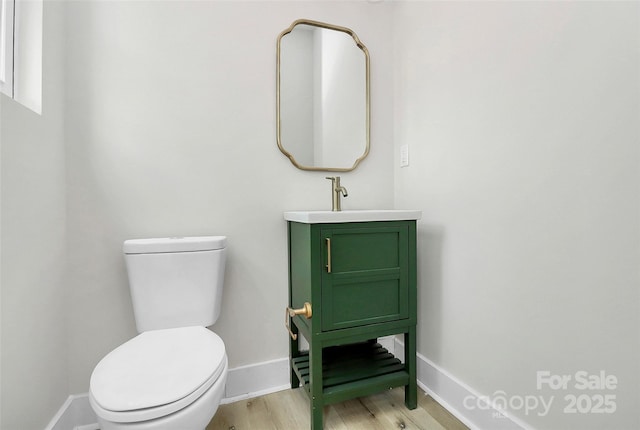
[{"x": 323, "y": 102}]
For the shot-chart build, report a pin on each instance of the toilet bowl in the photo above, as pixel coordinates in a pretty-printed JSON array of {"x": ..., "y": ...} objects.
[
  {"x": 162, "y": 379},
  {"x": 172, "y": 375}
]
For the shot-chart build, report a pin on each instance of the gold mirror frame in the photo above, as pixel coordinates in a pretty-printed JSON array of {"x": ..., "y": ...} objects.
[{"x": 364, "y": 49}]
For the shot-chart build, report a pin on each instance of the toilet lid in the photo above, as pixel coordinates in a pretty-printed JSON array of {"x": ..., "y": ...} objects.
[{"x": 157, "y": 368}]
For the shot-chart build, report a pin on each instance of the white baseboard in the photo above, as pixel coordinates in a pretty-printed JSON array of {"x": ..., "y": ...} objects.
[
  {"x": 243, "y": 382},
  {"x": 451, "y": 393},
  {"x": 75, "y": 413},
  {"x": 255, "y": 380},
  {"x": 92, "y": 426},
  {"x": 258, "y": 379}
]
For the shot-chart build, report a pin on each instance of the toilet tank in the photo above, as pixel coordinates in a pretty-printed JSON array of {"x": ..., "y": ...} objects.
[{"x": 175, "y": 282}]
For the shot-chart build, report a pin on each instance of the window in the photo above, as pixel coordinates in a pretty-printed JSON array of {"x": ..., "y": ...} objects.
[
  {"x": 6, "y": 46},
  {"x": 21, "y": 51}
]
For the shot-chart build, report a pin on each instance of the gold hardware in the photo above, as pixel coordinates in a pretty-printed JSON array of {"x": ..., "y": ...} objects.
[
  {"x": 304, "y": 310},
  {"x": 279, "y": 115},
  {"x": 290, "y": 313},
  {"x": 328, "y": 254}
]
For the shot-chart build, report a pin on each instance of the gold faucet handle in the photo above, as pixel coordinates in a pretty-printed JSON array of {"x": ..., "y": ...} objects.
[{"x": 290, "y": 313}]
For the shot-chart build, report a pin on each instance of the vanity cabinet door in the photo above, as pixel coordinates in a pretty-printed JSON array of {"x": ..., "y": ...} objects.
[{"x": 365, "y": 276}]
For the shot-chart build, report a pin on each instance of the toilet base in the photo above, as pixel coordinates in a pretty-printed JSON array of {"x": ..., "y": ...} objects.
[{"x": 195, "y": 416}]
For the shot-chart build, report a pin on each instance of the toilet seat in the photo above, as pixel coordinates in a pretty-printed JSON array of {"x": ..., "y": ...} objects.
[{"x": 156, "y": 373}]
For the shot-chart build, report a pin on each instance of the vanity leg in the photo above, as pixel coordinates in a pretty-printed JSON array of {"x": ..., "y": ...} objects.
[
  {"x": 315, "y": 381},
  {"x": 411, "y": 390},
  {"x": 293, "y": 353}
]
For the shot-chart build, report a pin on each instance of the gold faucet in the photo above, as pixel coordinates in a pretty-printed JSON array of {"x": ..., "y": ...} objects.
[{"x": 336, "y": 189}]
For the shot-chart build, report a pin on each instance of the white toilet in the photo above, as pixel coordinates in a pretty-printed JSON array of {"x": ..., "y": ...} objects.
[{"x": 172, "y": 375}]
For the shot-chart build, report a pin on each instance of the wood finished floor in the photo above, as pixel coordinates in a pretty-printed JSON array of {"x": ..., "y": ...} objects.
[{"x": 289, "y": 410}]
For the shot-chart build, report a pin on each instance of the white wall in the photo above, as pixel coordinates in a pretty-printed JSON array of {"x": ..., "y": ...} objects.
[
  {"x": 33, "y": 253},
  {"x": 171, "y": 131},
  {"x": 522, "y": 121},
  {"x": 523, "y": 125}
]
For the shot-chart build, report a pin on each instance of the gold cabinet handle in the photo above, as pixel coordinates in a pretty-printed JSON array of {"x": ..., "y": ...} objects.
[
  {"x": 328, "y": 240},
  {"x": 290, "y": 313}
]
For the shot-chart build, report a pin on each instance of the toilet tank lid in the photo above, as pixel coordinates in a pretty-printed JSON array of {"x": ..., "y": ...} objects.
[{"x": 174, "y": 244}]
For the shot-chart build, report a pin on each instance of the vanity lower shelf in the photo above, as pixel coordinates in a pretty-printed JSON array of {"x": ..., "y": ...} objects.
[{"x": 353, "y": 370}]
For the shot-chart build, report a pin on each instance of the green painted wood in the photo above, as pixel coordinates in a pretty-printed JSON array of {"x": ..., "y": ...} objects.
[
  {"x": 331, "y": 364},
  {"x": 294, "y": 378},
  {"x": 367, "y": 261},
  {"x": 300, "y": 273},
  {"x": 411, "y": 390},
  {"x": 315, "y": 384},
  {"x": 361, "y": 333},
  {"x": 363, "y": 249},
  {"x": 353, "y": 372},
  {"x": 375, "y": 384},
  {"x": 370, "y": 293},
  {"x": 363, "y": 374},
  {"x": 349, "y": 365},
  {"x": 412, "y": 273}
]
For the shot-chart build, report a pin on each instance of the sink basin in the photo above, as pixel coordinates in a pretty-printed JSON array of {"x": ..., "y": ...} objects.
[{"x": 317, "y": 217}]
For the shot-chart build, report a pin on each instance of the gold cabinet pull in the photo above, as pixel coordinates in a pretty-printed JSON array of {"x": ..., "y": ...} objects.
[
  {"x": 290, "y": 313},
  {"x": 328, "y": 254}
]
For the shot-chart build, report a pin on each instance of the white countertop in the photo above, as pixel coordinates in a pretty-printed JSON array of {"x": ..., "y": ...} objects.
[{"x": 318, "y": 217}]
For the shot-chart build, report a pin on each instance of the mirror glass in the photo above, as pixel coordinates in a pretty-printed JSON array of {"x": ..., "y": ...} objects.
[{"x": 322, "y": 96}]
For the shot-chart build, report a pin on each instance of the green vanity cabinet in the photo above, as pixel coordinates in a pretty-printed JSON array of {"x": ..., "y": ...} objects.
[{"x": 360, "y": 280}]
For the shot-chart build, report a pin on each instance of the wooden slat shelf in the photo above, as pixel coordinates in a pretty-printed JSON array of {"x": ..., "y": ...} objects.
[{"x": 356, "y": 368}]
